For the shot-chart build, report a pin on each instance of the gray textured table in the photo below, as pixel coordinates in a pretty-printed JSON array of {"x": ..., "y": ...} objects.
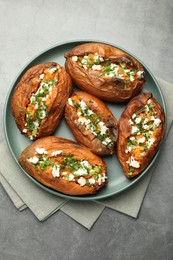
[{"x": 145, "y": 28}]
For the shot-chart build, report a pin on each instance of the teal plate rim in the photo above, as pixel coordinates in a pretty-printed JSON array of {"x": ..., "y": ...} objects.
[{"x": 54, "y": 192}]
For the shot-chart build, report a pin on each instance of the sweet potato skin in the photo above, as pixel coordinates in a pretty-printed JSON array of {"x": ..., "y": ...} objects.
[
  {"x": 105, "y": 88},
  {"x": 23, "y": 91},
  {"x": 51, "y": 144},
  {"x": 86, "y": 137},
  {"x": 124, "y": 130}
]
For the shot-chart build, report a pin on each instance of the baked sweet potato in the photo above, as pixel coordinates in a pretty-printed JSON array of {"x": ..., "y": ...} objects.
[
  {"x": 141, "y": 130},
  {"x": 65, "y": 166},
  {"x": 92, "y": 123},
  {"x": 105, "y": 71},
  {"x": 39, "y": 98}
]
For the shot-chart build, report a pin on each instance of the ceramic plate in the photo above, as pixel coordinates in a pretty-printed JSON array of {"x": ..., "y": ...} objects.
[{"x": 117, "y": 182}]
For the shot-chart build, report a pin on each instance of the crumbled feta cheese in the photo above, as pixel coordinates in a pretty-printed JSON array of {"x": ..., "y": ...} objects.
[
  {"x": 149, "y": 101},
  {"x": 55, "y": 153},
  {"x": 75, "y": 58},
  {"x": 103, "y": 128},
  {"x": 91, "y": 181},
  {"x": 146, "y": 127},
  {"x": 139, "y": 73},
  {"x": 85, "y": 163},
  {"x": 135, "y": 129},
  {"x": 132, "y": 78},
  {"x": 33, "y": 160},
  {"x": 56, "y": 170},
  {"x": 70, "y": 102},
  {"x": 129, "y": 148},
  {"x": 157, "y": 122},
  {"x": 101, "y": 59},
  {"x": 41, "y": 76},
  {"x": 138, "y": 120},
  {"x": 82, "y": 104},
  {"x": 84, "y": 61},
  {"x": 71, "y": 177},
  {"x": 150, "y": 142},
  {"x": 133, "y": 116},
  {"x": 126, "y": 151},
  {"x": 141, "y": 140},
  {"x": 85, "y": 67},
  {"x": 89, "y": 112},
  {"x": 82, "y": 181},
  {"x": 31, "y": 137},
  {"x": 147, "y": 108},
  {"x": 131, "y": 122},
  {"x": 40, "y": 150},
  {"x": 96, "y": 67},
  {"x": 134, "y": 163},
  {"x": 145, "y": 121},
  {"x": 81, "y": 172},
  {"x": 106, "y": 141},
  {"x": 110, "y": 75},
  {"x": 101, "y": 179},
  {"x": 83, "y": 121},
  {"x": 52, "y": 70},
  {"x": 79, "y": 113},
  {"x": 132, "y": 138},
  {"x": 24, "y": 130}
]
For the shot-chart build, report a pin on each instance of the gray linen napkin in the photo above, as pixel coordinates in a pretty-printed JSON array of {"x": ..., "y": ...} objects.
[{"x": 24, "y": 193}]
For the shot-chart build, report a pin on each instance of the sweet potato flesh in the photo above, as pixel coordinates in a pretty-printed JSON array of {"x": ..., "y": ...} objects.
[
  {"x": 118, "y": 68},
  {"x": 67, "y": 167},
  {"x": 93, "y": 122},
  {"x": 36, "y": 110},
  {"x": 145, "y": 132}
]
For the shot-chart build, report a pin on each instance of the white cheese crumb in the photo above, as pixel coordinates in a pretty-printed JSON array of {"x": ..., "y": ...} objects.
[
  {"x": 41, "y": 76},
  {"x": 33, "y": 160},
  {"x": 103, "y": 128},
  {"x": 130, "y": 122},
  {"x": 146, "y": 127},
  {"x": 91, "y": 181},
  {"x": 81, "y": 172},
  {"x": 145, "y": 121},
  {"x": 106, "y": 141},
  {"x": 157, "y": 122},
  {"x": 138, "y": 120},
  {"x": 70, "y": 102},
  {"x": 139, "y": 73},
  {"x": 82, "y": 104},
  {"x": 150, "y": 142},
  {"x": 40, "y": 150},
  {"x": 133, "y": 116},
  {"x": 71, "y": 177},
  {"x": 132, "y": 78},
  {"x": 75, "y": 58},
  {"x": 82, "y": 181},
  {"x": 85, "y": 163},
  {"x": 96, "y": 67},
  {"x": 24, "y": 130},
  {"x": 141, "y": 140},
  {"x": 134, "y": 129},
  {"x": 56, "y": 153},
  {"x": 56, "y": 171},
  {"x": 79, "y": 113},
  {"x": 52, "y": 70},
  {"x": 134, "y": 163},
  {"x": 132, "y": 138}
]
